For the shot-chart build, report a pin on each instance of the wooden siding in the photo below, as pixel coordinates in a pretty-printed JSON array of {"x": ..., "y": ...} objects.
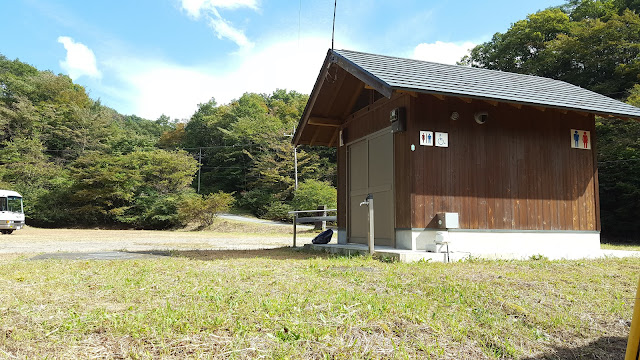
[{"x": 517, "y": 171}]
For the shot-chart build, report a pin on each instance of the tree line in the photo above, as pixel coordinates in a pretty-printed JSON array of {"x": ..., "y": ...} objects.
[{"x": 80, "y": 163}]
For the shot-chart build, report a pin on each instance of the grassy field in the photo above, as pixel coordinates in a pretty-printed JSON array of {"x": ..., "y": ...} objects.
[
  {"x": 284, "y": 303},
  {"x": 620, "y": 246}
]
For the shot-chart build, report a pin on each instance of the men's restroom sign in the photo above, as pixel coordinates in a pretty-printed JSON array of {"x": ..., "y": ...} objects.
[
  {"x": 580, "y": 139},
  {"x": 426, "y": 138}
]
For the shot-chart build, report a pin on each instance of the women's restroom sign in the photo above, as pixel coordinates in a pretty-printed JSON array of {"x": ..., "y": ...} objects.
[{"x": 580, "y": 139}]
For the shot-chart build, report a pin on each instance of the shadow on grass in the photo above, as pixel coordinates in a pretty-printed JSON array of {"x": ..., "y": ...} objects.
[
  {"x": 608, "y": 347},
  {"x": 284, "y": 253}
]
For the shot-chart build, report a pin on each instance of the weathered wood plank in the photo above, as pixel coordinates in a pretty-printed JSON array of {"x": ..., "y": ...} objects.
[
  {"x": 323, "y": 121},
  {"x": 418, "y": 164},
  {"x": 353, "y": 99},
  {"x": 334, "y": 138}
]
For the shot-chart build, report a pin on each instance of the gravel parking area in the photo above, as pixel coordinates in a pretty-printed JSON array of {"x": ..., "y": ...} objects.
[{"x": 35, "y": 240}]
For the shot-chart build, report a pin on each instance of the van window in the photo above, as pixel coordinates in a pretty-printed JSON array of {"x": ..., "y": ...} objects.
[{"x": 14, "y": 204}]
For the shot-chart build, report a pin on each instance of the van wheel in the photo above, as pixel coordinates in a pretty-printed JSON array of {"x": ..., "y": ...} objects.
[{"x": 7, "y": 232}]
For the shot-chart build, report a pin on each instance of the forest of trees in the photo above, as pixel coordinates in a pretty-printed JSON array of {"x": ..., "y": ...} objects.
[
  {"x": 594, "y": 44},
  {"x": 79, "y": 163}
]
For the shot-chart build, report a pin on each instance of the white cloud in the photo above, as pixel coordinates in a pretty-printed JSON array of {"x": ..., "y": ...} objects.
[
  {"x": 442, "y": 52},
  {"x": 224, "y": 29},
  {"x": 158, "y": 87},
  {"x": 79, "y": 61},
  {"x": 195, "y": 7},
  {"x": 221, "y": 27}
]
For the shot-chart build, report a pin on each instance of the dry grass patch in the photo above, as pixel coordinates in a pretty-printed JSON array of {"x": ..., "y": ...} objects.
[
  {"x": 221, "y": 227},
  {"x": 290, "y": 304},
  {"x": 226, "y": 234},
  {"x": 242, "y": 227}
]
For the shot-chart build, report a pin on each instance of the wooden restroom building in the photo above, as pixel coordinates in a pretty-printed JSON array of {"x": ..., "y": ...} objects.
[{"x": 510, "y": 158}]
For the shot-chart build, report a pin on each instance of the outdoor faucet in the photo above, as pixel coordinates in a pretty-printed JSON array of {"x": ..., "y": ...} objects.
[{"x": 367, "y": 200}]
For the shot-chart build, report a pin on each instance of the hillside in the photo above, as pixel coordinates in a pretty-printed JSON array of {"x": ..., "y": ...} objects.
[{"x": 80, "y": 163}]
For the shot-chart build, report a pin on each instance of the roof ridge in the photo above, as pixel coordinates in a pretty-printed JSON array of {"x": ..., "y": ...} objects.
[{"x": 459, "y": 66}]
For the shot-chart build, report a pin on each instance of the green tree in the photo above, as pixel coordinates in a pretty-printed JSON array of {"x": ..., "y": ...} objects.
[
  {"x": 141, "y": 189},
  {"x": 619, "y": 174},
  {"x": 593, "y": 44},
  {"x": 245, "y": 150},
  {"x": 203, "y": 210},
  {"x": 603, "y": 56},
  {"x": 56, "y": 143},
  {"x": 313, "y": 193},
  {"x": 521, "y": 49},
  {"x": 25, "y": 168},
  {"x": 634, "y": 96},
  {"x": 172, "y": 138}
]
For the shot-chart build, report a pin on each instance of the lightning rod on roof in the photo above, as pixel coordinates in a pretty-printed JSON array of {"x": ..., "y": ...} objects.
[{"x": 333, "y": 30}]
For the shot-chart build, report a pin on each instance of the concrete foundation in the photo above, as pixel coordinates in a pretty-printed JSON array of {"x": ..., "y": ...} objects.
[
  {"x": 504, "y": 244},
  {"x": 342, "y": 236},
  {"x": 387, "y": 253}
]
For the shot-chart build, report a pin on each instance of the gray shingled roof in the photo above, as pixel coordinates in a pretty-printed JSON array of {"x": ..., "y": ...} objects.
[{"x": 394, "y": 73}]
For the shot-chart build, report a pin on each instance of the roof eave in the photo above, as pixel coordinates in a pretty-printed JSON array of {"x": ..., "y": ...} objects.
[
  {"x": 350, "y": 67},
  {"x": 361, "y": 74},
  {"x": 482, "y": 98},
  {"x": 312, "y": 99}
]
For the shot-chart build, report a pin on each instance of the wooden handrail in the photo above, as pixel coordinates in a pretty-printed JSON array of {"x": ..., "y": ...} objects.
[
  {"x": 295, "y": 219},
  {"x": 308, "y": 211}
]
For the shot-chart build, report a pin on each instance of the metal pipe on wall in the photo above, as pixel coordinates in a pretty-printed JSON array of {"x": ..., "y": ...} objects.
[{"x": 370, "y": 234}]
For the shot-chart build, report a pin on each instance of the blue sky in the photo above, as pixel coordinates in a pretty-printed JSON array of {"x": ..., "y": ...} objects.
[{"x": 153, "y": 57}]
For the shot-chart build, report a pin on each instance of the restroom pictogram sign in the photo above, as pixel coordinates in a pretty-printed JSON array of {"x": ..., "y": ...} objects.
[
  {"x": 580, "y": 139},
  {"x": 426, "y": 138}
]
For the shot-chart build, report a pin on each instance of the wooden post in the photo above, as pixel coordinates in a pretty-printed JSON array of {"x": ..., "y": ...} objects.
[
  {"x": 295, "y": 221},
  {"x": 295, "y": 162},
  {"x": 371, "y": 225},
  {"x": 199, "y": 167},
  {"x": 321, "y": 225}
]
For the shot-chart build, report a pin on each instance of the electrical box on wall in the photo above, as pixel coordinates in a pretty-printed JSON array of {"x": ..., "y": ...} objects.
[
  {"x": 398, "y": 119},
  {"x": 448, "y": 221}
]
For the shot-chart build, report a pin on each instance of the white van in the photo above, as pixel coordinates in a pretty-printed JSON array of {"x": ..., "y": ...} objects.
[{"x": 11, "y": 211}]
